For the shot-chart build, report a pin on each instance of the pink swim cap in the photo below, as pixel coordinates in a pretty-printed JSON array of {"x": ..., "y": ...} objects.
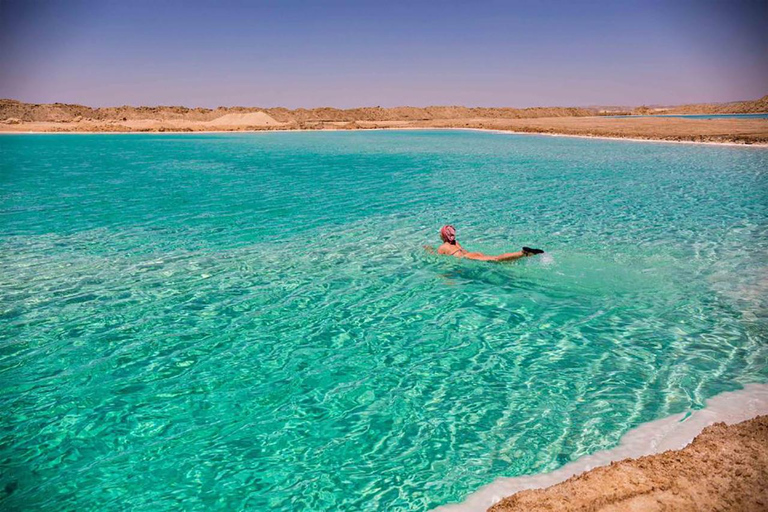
[{"x": 448, "y": 234}]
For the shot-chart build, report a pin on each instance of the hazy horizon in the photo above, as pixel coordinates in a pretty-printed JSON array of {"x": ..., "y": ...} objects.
[
  {"x": 168, "y": 105},
  {"x": 358, "y": 54}
]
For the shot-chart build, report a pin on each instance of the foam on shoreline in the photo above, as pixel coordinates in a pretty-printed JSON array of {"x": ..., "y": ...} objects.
[
  {"x": 760, "y": 145},
  {"x": 605, "y": 137},
  {"x": 671, "y": 433}
]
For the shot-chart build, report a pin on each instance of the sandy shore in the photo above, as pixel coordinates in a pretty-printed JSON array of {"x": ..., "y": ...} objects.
[
  {"x": 730, "y": 131},
  {"x": 661, "y": 439},
  {"x": 724, "y": 468},
  {"x": 741, "y": 131}
]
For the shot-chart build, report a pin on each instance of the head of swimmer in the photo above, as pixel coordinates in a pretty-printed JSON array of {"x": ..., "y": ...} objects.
[{"x": 448, "y": 234}]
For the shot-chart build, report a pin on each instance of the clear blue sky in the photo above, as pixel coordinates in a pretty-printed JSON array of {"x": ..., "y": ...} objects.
[{"x": 388, "y": 53}]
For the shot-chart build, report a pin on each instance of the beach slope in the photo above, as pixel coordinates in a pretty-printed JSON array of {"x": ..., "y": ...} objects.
[{"x": 724, "y": 468}]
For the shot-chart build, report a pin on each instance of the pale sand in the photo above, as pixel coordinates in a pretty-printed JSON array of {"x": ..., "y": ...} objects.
[
  {"x": 249, "y": 119},
  {"x": 641, "y": 482}
]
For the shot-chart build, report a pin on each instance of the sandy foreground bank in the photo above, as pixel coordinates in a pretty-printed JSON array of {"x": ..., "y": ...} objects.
[
  {"x": 724, "y": 468},
  {"x": 634, "y": 476}
]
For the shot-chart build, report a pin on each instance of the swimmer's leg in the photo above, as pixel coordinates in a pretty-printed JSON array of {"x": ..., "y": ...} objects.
[
  {"x": 527, "y": 251},
  {"x": 510, "y": 256},
  {"x": 480, "y": 257}
]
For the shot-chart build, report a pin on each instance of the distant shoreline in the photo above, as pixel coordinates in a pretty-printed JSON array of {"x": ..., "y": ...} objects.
[
  {"x": 669, "y": 124},
  {"x": 718, "y": 114},
  {"x": 631, "y": 139},
  {"x": 394, "y": 128}
]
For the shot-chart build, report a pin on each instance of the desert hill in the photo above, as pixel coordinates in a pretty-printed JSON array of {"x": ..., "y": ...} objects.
[
  {"x": 16, "y": 116},
  {"x": 734, "y": 107},
  {"x": 63, "y": 112},
  {"x": 174, "y": 116}
]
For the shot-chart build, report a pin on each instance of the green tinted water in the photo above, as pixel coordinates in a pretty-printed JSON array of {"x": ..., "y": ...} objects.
[{"x": 249, "y": 321}]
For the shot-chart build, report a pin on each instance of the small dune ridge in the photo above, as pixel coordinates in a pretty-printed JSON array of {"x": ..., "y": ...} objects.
[{"x": 249, "y": 119}]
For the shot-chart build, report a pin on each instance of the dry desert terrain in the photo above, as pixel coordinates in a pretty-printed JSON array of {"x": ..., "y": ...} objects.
[{"x": 25, "y": 117}]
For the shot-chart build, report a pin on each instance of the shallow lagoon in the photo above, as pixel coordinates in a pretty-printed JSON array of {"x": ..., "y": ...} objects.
[{"x": 249, "y": 320}]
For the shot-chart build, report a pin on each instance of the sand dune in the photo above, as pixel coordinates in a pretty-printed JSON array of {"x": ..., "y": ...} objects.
[{"x": 245, "y": 119}]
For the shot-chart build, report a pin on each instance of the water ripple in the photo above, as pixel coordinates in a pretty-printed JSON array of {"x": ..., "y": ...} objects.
[{"x": 250, "y": 322}]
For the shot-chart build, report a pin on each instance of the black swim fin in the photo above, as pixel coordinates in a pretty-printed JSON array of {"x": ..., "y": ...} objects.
[{"x": 529, "y": 252}]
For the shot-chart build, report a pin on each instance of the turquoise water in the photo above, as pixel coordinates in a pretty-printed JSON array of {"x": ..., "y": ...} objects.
[
  {"x": 249, "y": 321},
  {"x": 706, "y": 116}
]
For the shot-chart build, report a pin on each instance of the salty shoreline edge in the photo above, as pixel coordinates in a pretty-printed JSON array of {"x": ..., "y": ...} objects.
[
  {"x": 761, "y": 145},
  {"x": 653, "y": 438}
]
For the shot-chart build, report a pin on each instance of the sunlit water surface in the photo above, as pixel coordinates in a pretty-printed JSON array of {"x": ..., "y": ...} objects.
[{"x": 249, "y": 321}]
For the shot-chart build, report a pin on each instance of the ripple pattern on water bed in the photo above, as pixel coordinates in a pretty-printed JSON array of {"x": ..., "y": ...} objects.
[{"x": 249, "y": 321}]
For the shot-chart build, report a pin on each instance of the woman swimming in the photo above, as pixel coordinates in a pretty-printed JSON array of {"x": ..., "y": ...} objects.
[{"x": 451, "y": 247}]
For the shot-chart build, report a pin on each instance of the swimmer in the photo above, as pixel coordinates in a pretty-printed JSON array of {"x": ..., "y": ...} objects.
[{"x": 453, "y": 248}]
